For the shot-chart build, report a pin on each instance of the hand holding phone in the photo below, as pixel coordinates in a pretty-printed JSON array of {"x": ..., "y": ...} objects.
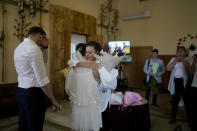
[{"x": 195, "y": 58}]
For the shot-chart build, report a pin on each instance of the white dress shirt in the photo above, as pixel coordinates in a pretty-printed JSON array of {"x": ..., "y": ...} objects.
[
  {"x": 179, "y": 67},
  {"x": 29, "y": 64},
  {"x": 108, "y": 83}
]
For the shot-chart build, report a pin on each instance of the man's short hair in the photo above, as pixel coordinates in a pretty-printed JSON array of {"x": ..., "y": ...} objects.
[
  {"x": 155, "y": 50},
  {"x": 35, "y": 30}
]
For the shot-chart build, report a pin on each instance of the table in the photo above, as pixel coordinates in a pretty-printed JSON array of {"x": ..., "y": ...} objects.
[{"x": 132, "y": 118}]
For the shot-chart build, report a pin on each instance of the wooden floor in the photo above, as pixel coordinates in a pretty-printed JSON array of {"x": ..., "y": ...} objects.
[
  {"x": 60, "y": 121},
  {"x": 10, "y": 124}
]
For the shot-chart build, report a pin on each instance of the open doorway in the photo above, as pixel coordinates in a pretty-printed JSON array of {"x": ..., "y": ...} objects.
[{"x": 76, "y": 39}]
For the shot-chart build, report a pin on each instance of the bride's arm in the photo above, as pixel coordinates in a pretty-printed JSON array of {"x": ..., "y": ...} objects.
[
  {"x": 73, "y": 62},
  {"x": 89, "y": 64}
]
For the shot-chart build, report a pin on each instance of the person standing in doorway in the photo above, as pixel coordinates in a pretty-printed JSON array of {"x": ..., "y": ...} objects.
[
  {"x": 33, "y": 83},
  {"x": 154, "y": 69}
]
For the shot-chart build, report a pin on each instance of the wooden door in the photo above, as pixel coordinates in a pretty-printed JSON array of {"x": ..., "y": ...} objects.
[
  {"x": 134, "y": 70},
  {"x": 63, "y": 22}
]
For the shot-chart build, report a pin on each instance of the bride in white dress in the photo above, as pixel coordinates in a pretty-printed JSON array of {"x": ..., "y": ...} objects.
[{"x": 82, "y": 85}]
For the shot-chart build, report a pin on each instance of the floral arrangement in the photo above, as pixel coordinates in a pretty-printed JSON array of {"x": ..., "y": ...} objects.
[
  {"x": 116, "y": 52},
  {"x": 64, "y": 71},
  {"x": 110, "y": 58}
]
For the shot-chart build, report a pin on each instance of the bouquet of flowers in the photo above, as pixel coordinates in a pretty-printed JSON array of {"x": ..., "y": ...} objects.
[
  {"x": 110, "y": 59},
  {"x": 67, "y": 73},
  {"x": 64, "y": 71},
  {"x": 154, "y": 67}
]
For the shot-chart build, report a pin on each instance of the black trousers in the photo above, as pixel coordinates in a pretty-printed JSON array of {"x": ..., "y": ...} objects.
[
  {"x": 187, "y": 99},
  {"x": 31, "y": 109},
  {"x": 179, "y": 87},
  {"x": 193, "y": 108},
  {"x": 105, "y": 120}
]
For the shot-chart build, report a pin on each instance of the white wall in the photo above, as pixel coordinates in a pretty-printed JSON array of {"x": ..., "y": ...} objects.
[{"x": 171, "y": 19}]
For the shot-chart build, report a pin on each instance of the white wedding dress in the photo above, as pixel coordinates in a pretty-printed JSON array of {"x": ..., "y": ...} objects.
[{"x": 84, "y": 95}]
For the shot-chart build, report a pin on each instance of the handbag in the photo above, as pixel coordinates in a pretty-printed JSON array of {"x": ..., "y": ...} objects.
[{"x": 144, "y": 80}]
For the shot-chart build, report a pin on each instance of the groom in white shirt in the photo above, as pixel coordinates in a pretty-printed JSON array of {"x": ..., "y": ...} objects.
[{"x": 33, "y": 83}]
